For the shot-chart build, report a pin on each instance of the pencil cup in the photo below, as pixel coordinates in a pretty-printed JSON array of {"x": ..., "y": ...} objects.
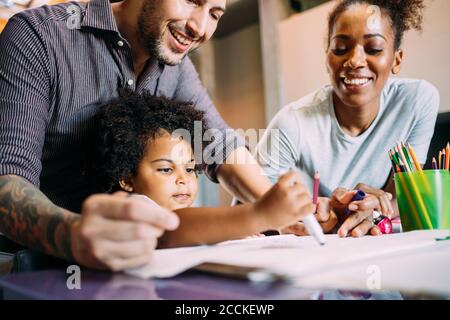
[{"x": 423, "y": 199}]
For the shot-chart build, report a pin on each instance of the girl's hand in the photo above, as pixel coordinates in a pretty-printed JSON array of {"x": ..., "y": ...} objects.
[
  {"x": 285, "y": 203},
  {"x": 324, "y": 215}
]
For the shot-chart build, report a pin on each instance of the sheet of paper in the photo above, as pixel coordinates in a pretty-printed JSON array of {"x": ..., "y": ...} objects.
[
  {"x": 171, "y": 262},
  {"x": 419, "y": 271},
  {"x": 298, "y": 257},
  {"x": 301, "y": 256}
]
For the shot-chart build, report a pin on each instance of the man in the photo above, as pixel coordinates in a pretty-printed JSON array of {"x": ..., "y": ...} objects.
[{"x": 57, "y": 65}]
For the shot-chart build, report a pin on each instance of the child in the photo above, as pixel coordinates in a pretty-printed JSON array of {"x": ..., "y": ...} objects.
[
  {"x": 344, "y": 130},
  {"x": 139, "y": 152}
]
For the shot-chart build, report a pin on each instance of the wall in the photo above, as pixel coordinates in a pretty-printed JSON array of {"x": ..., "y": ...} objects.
[
  {"x": 239, "y": 87},
  {"x": 237, "y": 90},
  {"x": 302, "y": 41}
]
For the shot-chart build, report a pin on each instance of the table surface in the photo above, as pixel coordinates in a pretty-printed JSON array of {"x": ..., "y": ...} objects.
[{"x": 52, "y": 284}]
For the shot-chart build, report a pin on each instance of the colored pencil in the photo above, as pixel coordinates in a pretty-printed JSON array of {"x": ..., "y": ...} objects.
[
  {"x": 414, "y": 158},
  {"x": 395, "y": 167},
  {"x": 316, "y": 187},
  {"x": 439, "y": 160},
  {"x": 406, "y": 153},
  {"x": 447, "y": 157},
  {"x": 402, "y": 156},
  {"x": 443, "y": 160},
  {"x": 434, "y": 164}
]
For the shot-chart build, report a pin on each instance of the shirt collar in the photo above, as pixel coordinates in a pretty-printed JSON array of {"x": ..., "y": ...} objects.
[{"x": 99, "y": 15}]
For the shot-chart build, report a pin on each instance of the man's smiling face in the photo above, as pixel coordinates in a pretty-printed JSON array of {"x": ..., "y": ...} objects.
[{"x": 170, "y": 29}]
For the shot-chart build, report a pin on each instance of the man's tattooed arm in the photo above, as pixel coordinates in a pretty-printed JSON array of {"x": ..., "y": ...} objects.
[{"x": 29, "y": 218}]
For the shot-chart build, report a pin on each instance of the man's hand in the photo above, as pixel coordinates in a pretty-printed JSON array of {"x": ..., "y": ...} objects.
[
  {"x": 286, "y": 202},
  {"x": 117, "y": 232},
  {"x": 324, "y": 215}
]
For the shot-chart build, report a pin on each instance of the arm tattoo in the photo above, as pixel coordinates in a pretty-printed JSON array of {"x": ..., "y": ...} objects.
[{"x": 28, "y": 217}]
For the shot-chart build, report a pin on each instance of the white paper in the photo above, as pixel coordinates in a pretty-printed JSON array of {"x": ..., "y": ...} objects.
[{"x": 316, "y": 266}]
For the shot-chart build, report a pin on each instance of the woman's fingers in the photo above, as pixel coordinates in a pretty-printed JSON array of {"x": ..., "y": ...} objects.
[
  {"x": 375, "y": 231},
  {"x": 384, "y": 198},
  {"x": 370, "y": 202},
  {"x": 325, "y": 215},
  {"x": 353, "y": 220},
  {"x": 341, "y": 197},
  {"x": 363, "y": 228}
]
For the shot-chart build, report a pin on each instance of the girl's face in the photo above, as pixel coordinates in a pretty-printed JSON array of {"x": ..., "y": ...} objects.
[
  {"x": 361, "y": 55},
  {"x": 167, "y": 174}
]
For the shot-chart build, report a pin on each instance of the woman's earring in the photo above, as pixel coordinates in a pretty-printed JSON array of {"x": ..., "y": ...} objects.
[{"x": 125, "y": 186}]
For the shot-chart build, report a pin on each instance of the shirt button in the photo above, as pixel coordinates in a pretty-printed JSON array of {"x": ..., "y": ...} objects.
[
  {"x": 130, "y": 82},
  {"x": 120, "y": 43}
]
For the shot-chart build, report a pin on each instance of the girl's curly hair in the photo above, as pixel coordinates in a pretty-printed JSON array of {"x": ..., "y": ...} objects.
[
  {"x": 124, "y": 127},
  {"x": 404, "y": 15}
]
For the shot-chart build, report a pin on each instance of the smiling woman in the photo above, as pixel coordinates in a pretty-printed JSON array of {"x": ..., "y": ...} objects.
[{"x": 344, "y": 130}]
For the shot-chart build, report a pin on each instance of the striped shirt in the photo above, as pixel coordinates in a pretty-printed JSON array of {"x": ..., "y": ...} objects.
[{"x": 54, "y": 78}]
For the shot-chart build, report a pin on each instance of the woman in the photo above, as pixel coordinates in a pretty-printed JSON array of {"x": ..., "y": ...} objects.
[{"x": 344, "y": 130}]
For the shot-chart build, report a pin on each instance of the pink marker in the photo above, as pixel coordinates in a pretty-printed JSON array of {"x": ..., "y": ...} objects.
[{"x": 382, "y": 222}]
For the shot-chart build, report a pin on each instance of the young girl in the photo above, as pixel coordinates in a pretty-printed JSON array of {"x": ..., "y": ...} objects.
[
  {"x": 138, "y": 151},
  {"x": 344, "y": 130}
]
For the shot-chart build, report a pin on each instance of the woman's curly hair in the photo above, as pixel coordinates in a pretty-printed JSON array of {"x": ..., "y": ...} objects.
[
  {"x": 404, "y": 15},
  {"x": 124, "y": 127}
]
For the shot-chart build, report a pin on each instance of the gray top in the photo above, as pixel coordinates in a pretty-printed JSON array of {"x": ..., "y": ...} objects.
[
  {"x": 54, "y": 77},
  {"x": 306, "y": 135}
]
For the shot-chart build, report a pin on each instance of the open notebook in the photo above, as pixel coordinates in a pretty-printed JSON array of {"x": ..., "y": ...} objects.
[{"x": 334, "y": 265}]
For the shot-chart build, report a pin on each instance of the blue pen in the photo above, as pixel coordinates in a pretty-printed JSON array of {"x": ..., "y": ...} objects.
[
  {"x": 383, "y": 223},
  {"x": 359, "y": 195}
]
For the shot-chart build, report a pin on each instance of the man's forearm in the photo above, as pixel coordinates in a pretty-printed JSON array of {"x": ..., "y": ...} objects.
[
  {"x": 243, "y": 177},
  {"x": 29, "y": 218}
]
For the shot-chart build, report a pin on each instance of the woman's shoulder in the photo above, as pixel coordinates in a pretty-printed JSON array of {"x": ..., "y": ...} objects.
[
  {"x": 314, "y": 99},
  {"x": 314, "y": 103},
  {"x": 304, "y": 113},
  {"x": 416, "y": 92}
]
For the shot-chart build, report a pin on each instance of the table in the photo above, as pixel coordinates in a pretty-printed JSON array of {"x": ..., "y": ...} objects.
[{"x": 192, "y": 285}]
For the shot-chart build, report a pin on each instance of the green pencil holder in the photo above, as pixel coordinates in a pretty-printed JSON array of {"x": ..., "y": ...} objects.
[{"x": 423, "y": 199}]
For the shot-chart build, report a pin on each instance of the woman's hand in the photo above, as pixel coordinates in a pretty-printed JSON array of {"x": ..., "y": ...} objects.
[
  {"x": 383, "y": 197},
  {"x": 360, "y": 220}
]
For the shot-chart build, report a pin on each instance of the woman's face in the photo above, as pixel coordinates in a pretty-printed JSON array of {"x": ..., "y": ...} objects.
[
  {"x": 361, "y": 55},
  {"x": 167, "y": 174}
]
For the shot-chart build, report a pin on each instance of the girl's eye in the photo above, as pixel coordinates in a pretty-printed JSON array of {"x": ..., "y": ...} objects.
[
  {"x": 190, "y": 170},
  {"x": 165, "y": 170}
]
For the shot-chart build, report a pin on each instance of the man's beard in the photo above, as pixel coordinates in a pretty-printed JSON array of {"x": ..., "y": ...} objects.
[{"x": 151, "y": 36}]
